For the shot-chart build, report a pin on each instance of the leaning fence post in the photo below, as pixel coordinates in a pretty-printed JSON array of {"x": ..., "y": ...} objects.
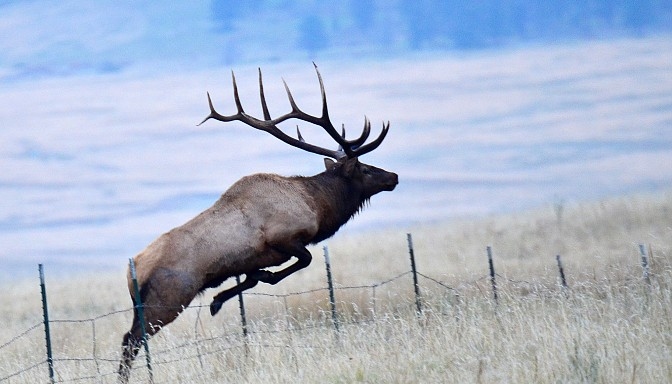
[
  {"x": 241, "y": 305},
  {"x": 645, "y": 263},
  {"x": 141, "y": 315},
  {"x": 411, "y": 253},
  {"x": 562, "y": 272},
  {"x": 492, "y": 274},
  {"x": 243, "y": 318},
  {"x": 330, "y": 283},
  {"x": 47, "y": 334}
]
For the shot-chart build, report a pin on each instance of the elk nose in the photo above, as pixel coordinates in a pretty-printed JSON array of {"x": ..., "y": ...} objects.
[{"x": 393, "y": 181}]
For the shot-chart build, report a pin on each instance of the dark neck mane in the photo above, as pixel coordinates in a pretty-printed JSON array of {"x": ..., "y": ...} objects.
[{"x": 337, "y": 200}]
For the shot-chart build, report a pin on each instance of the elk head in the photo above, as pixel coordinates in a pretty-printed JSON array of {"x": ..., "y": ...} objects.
[{"x": 345, "y": 161}]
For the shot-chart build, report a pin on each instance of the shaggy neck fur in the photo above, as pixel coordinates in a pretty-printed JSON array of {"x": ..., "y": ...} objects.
[{"x": 337, "y": 199}]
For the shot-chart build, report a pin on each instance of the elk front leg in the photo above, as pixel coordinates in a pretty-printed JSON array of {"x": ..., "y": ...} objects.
[
  {"x": 304, "y": 258},
  {"x": 225, "y": 295}
]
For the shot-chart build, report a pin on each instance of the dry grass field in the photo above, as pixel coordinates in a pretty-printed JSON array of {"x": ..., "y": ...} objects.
[{"x": 609, "y": 326}]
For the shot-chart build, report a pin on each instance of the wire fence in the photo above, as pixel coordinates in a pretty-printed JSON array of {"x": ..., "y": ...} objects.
[{"x": 31, "y": 355}]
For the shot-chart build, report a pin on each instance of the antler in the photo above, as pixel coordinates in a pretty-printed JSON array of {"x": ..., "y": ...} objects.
[{"x": 347, "y": 148}]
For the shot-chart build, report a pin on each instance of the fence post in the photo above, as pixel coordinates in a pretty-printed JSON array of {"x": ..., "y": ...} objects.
[
  {"x": 492, "y": 274},
  {"x": 416, "y": 287},
  {"x": 241, "y": 305},
  {"x": 645, "y": 263},
  {"x": 45, "y": 313},
  {"x": 243, "y": 318},
  {"x": 141, "y": 316},
  {"x": 330, "y": 283},
  {"x": 562, "y": 272}
]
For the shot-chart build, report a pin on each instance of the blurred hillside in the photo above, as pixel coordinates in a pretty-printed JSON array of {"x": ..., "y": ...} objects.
[
  {"x": 76, "y": 36},
  {"x": 355, "y": 27}
]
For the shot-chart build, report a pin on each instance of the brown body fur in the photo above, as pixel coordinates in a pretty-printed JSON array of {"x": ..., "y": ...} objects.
[
  {"x": 261, "y": 221},
  {"x": 231, "y": 237}
]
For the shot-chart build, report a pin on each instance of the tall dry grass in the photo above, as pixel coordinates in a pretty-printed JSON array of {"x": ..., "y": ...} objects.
[{"x": 610, "y": 326}]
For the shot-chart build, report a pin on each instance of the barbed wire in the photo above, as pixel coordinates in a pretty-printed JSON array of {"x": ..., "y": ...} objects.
[
  {"x": 24, "y": 370},
  {"x": 20, "y": 335},
  {"x": 437, "y": 282},
  {"x": 195, "y": 343},
  {"x": 281, "y": 295},
  {"x": 97, "y": 360},
  {"x": 204, "y": 345},
  {"x": 510, "y": 280}
]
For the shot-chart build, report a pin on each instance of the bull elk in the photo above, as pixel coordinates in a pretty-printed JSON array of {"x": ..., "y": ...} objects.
[{"x": 261, "y": 221}]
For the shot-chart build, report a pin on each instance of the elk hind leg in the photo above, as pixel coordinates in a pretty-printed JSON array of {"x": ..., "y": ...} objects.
[
  {"x": 164, "y": 296},
  {"x": 132, "y": 342},
  {"x": 130, "y": 347}
]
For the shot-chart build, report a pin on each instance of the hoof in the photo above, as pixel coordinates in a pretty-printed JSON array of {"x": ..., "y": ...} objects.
[{"x": 215, "y": 306}]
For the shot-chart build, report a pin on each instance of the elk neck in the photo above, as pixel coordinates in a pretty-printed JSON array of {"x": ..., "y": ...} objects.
[{"x": 336, "y": 199}]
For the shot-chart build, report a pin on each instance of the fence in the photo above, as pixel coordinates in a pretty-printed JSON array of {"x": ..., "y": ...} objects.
[{"x": 200, "y": 347}]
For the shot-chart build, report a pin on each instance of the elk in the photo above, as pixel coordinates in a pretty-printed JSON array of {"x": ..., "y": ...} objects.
[{"x": 261, "y": 221}]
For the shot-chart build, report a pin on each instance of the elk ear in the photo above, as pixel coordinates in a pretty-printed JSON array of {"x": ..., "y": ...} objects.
[
  {"x": 350, "y": 166},
  {"x": 329, "y": 163}
]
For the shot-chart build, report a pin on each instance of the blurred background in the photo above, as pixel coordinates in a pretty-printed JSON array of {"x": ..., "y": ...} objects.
[
  {"x": 70, "y": 37},
  {"x": 43, "y": 39},
  {"x": 495, "y": 107}
]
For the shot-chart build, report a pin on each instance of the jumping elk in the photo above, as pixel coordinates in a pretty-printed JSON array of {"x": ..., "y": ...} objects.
[{"x": 261, "y": 221}]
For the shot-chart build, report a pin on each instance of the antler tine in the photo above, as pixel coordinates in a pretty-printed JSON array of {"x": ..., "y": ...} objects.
[
  {"x": 344, "y": 144},
  {"x": 365, "y": 134},
  {"x": 325, "y": 109},
  {"x": 264, "y": 107},
  {"x": 298, "y": 134},
  {"x": 372, "y": 145},
  {"x": 347, "y": 148},
  {"x": 236, "y": 98},
  {"x": 215, "y": 115},
  {"x": 292, "y": 103},
  {"x": 212, "y": 111}
]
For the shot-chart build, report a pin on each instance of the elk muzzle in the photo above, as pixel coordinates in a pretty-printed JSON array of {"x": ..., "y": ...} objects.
[{"x": 391, "y": 182}]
